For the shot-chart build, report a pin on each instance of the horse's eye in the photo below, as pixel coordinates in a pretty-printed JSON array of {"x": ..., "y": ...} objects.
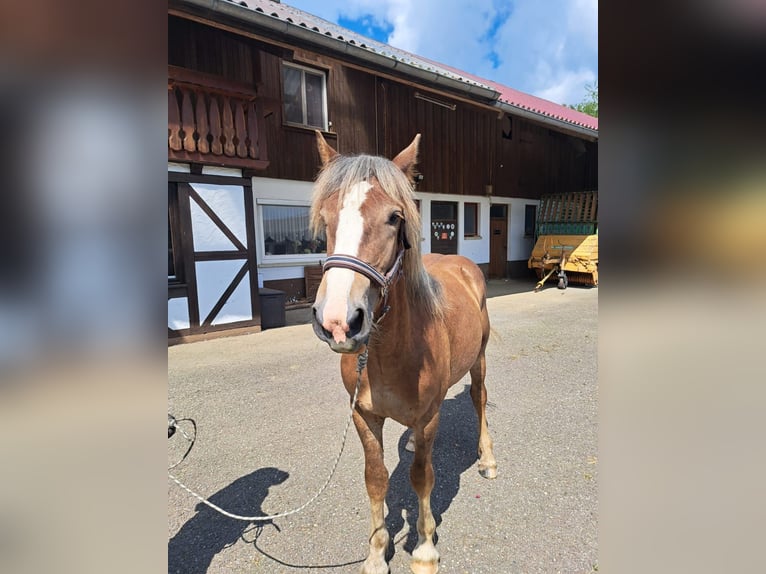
[{"x": 394, "y": 218}]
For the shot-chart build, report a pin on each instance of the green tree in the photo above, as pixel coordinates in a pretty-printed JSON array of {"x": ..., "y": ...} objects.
[{"x": 589, "y": 105}]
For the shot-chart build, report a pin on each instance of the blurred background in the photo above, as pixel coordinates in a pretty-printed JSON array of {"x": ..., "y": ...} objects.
[
  {"x": 682, "y": 298},
  {"x": 682, "y": 302},
  {"x": 82, "y": 304}
]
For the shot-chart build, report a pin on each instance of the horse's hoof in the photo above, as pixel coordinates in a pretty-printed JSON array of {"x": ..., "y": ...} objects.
[
  {"x": 419, "y": 567},
  {"x": 488, "y": 472}
]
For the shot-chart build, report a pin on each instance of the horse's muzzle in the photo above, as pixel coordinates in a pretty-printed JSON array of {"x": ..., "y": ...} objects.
[{"x": 357, "y": 334}]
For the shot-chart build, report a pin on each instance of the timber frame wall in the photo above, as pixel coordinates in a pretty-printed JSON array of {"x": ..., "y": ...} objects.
[{"x": 180, "y": 196}]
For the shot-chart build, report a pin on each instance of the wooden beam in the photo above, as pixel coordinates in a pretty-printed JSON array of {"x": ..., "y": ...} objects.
[
  {"x": 207, "y": 178},
  {"x": 219, "y": 255}
]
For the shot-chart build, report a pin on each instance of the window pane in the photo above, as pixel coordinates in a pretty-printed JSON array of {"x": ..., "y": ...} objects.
[
  {"x": 291, "y": 80},
  {"x": 286, "y": 231},
  {"x": 530, "y": 215},
  {"x": 315, "y": 100},
  {"x": 443, "y": 210},
  {"x": 497, "y": 210},
  {"x": 470, "y": 218}
]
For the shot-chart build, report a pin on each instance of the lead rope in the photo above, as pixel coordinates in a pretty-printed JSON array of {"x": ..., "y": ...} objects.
[{"x": 361, "y": 363}]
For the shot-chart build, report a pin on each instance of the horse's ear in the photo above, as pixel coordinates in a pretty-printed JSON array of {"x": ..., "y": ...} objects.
[
  {"x": 326, "y": 153},
  {"x": 408, "y": 157}
]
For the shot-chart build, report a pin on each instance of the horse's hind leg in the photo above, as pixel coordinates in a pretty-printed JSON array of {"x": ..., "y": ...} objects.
[
  {"x": 487, "y": 463},
  {"x": 370, "y": 430},
  {"x": 425, "y": 558}
]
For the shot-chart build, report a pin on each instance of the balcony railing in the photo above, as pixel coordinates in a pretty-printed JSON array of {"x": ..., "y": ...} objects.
[{"x": 214, "y": 121}]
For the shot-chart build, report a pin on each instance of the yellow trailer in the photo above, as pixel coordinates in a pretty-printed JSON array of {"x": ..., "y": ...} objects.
[
  {"x": 572, "y": 257},
  {"x": 567, "y": 239}
]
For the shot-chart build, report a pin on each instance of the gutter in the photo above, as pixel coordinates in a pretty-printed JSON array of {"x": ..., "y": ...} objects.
[{"x": 262, "y": 20}]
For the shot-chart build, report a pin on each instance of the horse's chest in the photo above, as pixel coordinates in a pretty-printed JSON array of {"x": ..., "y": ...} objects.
[{"x": 401, "y": 398}]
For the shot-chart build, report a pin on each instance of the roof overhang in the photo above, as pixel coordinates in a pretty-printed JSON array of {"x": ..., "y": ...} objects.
[{"x": 560, "y": 125}]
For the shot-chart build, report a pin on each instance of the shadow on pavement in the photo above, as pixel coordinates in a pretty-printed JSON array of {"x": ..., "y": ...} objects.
[
  {"x": 455, "y": 451},
  {"x": 195, "y": 545}
]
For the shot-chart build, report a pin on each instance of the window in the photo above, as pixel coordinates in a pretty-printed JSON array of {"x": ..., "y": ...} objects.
[
  {"x": 286, "y": 231},
  {"x": 444, "y": 210},
  {"x": 471, "y": 220},
  {"x": 497, "y": 211},
  {"x": 305, "y": 96},
  {"x": 530, "y": 217}
]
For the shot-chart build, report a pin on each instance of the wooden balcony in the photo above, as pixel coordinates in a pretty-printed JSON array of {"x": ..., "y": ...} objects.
[{"x": 214, "y": 121}]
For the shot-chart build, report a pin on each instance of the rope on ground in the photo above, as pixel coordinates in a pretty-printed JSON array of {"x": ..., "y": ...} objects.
[{"x": 360, "y": 365}]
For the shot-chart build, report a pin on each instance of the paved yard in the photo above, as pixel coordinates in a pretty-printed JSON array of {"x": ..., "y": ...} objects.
[{"x": 271, "y": 409}]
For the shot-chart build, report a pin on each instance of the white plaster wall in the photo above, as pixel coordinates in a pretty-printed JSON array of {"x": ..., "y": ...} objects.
[
  {"x": 179, "y": 167},
  {"x": 213, "y": 277},
  {"x": 238, "y": 307},
  {"x": 475, "y": 248},
  {"x": 178, "y": 313},
  {"x": 285, "y": 192},
  {"x": 226, "y": 171},
  {"x": 425, "y": 219},
  {"x": 519, "y": 247},
  {"x": 228, "y": 203}
]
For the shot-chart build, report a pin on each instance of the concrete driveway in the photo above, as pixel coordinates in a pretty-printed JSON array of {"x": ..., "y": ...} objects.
[{"x": 271, "y": 409}]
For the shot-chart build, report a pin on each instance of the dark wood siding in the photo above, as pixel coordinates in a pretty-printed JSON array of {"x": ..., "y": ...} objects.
[
  {"x": 212, "y": 51},
  {"x": 457, "y": 146},
  {"x": 462, "y": 150}
]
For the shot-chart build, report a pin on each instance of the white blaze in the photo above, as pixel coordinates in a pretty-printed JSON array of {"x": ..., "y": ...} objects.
[{"x": 348, "y": 236}]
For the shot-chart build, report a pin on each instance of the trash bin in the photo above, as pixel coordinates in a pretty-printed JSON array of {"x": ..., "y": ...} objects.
[{"x": 272, "y": 308}]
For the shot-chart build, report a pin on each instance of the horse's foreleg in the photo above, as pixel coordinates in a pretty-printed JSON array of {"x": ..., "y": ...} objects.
[
  {"x": 370, "y": 429},
  {"x": 487, "y": 462},
  {"x": 425, "y": 558}
]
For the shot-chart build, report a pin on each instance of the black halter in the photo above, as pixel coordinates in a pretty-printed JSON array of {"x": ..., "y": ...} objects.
[
  {"x": 359, "y": 266},
  {"x": 362, "y": 267}
]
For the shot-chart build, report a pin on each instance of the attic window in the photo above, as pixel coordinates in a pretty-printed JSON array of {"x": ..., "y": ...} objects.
[{"x": 304, "y": 93}]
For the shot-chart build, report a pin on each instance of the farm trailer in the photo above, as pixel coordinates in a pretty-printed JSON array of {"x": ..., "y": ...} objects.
[{"x": 566, "y": 243}]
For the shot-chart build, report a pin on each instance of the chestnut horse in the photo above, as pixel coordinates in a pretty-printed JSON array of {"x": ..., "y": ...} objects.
[{"x": 422, "y": 320}]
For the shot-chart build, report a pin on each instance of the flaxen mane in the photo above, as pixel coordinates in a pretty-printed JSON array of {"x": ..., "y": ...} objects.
[{"x": 342, "y": 173}]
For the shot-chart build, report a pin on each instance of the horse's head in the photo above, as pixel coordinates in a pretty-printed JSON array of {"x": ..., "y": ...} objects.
[{"x": 364, "y": 204}]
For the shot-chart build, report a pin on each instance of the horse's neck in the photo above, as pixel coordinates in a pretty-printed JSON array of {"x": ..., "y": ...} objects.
[{"x": 395, "y": 328}]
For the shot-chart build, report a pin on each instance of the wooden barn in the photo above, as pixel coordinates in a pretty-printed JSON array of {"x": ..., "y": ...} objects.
[{"x": 249, "y": 82}]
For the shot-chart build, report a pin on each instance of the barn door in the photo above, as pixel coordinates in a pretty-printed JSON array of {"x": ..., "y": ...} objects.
[
  {"x": 444, "y": 228},
  {"x": 498, "y": 241}
]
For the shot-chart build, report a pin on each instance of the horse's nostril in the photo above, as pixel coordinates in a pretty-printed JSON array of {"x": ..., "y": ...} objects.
[
  {"x": 355, "y": 324},
  {"x": 318, "y": 327}
]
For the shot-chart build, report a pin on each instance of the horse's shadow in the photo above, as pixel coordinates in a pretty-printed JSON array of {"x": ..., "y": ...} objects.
[
  {"x": 195, "y": 545},
  {"x": 454, "y": 451}
]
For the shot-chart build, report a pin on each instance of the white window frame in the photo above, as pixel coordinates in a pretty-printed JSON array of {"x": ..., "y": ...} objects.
[
  {"x": 476, "y": 235},
  {"x": 317, "y": 72},
  {"x": 293, "y": 259}
]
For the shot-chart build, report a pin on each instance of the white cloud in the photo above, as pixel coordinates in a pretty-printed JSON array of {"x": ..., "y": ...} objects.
[
  {"x": 549, "y": 49},
  {"x": 567, "y": 87}
]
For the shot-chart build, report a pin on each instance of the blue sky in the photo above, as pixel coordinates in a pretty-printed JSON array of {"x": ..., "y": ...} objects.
[{"x": 548, "y": 48}]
